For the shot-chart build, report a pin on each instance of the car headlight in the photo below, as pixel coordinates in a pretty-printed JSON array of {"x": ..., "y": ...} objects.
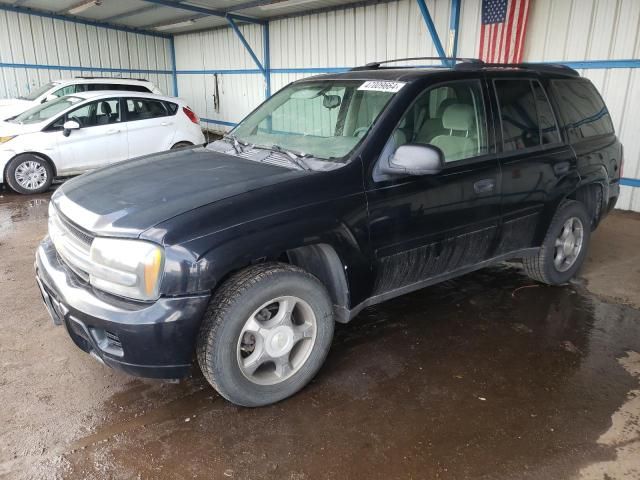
[
  {"x": 6, "y": 139},
  {"x": 130, "y": 268}
]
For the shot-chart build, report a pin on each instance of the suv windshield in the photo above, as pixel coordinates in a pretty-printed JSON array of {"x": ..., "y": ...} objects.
[
  {"x": 323, "y": 119},
  {"x": 33, "y": 94},
  {"x": 45, "y": 111}
]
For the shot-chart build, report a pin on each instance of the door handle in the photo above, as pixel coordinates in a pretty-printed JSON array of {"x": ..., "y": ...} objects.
[
  {"x": 112, "y": 131},
  {"x": 164, "y": 124},
  {"x": 485, "y": 185}
]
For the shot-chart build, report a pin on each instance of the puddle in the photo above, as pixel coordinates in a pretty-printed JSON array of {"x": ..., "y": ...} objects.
[
  {"x": 21, "y": 208},
  {"x": 465, "y": 379}
]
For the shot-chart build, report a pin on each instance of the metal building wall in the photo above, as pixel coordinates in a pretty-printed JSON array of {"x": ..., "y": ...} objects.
[
  {"x": 603, "y": 35},
  {"x": 241, "y": 86},
  {"x": 599, "y": 37},
  {"x": 38, "y": 48}
]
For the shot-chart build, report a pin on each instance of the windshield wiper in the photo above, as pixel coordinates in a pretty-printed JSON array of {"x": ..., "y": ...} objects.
[
  {"x": 295, "y": 157},
  {"x": 237, "y": 144}
]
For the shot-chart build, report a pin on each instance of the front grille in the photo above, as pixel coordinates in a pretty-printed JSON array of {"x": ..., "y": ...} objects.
[
  {"x": 74, "y": 230},
  {"x": 73, "y": 245}
]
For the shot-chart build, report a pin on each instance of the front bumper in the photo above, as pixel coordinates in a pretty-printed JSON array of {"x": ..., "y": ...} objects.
[{"x": 150, "y": 340}]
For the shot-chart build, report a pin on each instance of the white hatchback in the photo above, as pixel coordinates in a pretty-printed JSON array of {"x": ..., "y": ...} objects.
[
  {"x": 48, "y": 92},
  {"x": 88, "y": 130}
]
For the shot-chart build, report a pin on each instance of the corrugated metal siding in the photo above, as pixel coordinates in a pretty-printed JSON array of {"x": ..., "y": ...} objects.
[
  {"x": 567, "y": 30},
  {"x": 50, "y": 43},
  {"x": 220, "y": 50},
  {"x": 597, "y": 30}
]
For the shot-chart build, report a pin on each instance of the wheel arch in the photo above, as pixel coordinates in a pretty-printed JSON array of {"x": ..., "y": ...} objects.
[
  {"x": 592, "y": 195},
  {"x": 322, "y": 261},
  {"x": 37, "y": 154},
  {"x": 46, "y": 158}
]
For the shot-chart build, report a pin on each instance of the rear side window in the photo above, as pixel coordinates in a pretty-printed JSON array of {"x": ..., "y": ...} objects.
[
  {"x": 172, "y": 107},
  {"x": 518, "y": 115},
  {"x": 144, "y": 109},
  {"x": 549, "y": 132},
  {"x": 582, "y": 108},
  {"x": 526, "y": 115},
  {"x": 134, "y": 88}
]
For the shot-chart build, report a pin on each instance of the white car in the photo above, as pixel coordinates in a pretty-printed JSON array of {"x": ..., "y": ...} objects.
[
  {"x": 59, "y": 88},
  {"x": 88, "y": 130}
]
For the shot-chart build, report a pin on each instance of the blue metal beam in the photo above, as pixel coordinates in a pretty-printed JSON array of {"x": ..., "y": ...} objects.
[
  {"x": 82, "y": 21},
  {"x": 250, "y": 51},
  {"x": 172, "y": 50},
  {"x": 206, "y": 11},
  {"x": 454, "y": 23},
  {"x": 79, "y": 68},
  {"x": 432, "y": 29},
  {"x": 266, "y": 59}
]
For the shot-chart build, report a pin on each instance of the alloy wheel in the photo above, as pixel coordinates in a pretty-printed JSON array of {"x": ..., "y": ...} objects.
[
  {"x": 568, "y": 245},
  {"x": 276, "y": 340}
]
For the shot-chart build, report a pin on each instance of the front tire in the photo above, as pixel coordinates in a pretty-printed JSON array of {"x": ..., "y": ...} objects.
[
  {"x": 29, "y": 173},
  {"x": 565, "y": 245},
  {"x": 266, "y": 333}
]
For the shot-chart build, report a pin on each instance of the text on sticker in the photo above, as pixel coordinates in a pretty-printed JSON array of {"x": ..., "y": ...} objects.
[{"x": 382, "y": 86}]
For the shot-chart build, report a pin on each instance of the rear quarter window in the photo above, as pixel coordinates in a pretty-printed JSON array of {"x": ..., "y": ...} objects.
[
  {"x": 172, "y": 107},
  {"x": 582, "y": 109}
]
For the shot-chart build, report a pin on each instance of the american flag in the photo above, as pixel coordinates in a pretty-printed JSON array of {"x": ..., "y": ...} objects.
[{"x": 503, "y": 30}]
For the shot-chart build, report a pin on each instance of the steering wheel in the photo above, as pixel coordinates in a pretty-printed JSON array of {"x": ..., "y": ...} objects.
[
  {"x": 360, "y": 131},
  {"x": 76, "y": 119}
]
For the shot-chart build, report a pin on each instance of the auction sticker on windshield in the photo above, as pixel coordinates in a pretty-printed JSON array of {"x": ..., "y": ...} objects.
[{"x": 382, "y": 86}]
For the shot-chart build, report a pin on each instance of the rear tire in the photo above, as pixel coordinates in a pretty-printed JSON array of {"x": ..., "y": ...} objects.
[
  {"x": 29, "y": 173},
  {"x": 182, "y": 145},
  {"x": 565, "y": 245},
  {"x": 266, "y": 333}
]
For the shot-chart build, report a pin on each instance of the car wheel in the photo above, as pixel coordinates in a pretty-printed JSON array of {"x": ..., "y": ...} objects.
[
  {"x": 265, "y": 335},
  {"x": 564, "y": 247},
  {"x": 29, "y": 173},
  {"x": 182, "y": 145}
]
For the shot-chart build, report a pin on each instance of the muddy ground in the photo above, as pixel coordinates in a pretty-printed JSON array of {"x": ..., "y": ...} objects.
[{"x": 490, "y": 376}]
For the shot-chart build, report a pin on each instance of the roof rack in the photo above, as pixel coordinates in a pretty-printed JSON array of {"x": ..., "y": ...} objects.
[
  {"x": 376, "y": 65},
  {"x": 111, "y": 78},
  {"x": 537, "y": 67}
]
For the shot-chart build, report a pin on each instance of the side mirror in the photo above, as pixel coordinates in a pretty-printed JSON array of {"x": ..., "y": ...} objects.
[
  {"x": 49, "y": 98},
  {"x": 412, "y": 159},
  {"x": 68, "y": 126}
]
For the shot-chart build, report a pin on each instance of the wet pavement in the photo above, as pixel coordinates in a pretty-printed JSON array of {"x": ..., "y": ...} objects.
[{"x": 489, "y": 376}]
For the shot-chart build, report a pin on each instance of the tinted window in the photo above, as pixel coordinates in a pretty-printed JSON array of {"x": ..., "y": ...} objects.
[
  {"x": 582, "y": 108},
  {"x": 450, "y": 117},
  {"x": 518, "y": 114},
  {"x": 548, "y": 127},
  {"x": 134, "y": 88},
  {"x": 92, "y": 87},
  {"x": 173, "y": 108},
  {"x": 101, "y": 112},
  {"x": 143, "y": 109}
]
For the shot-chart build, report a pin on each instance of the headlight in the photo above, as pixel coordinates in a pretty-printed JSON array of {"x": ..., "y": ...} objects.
[
  {"x": 130, "y": 268},
  {"x": 6, "y": 139}
]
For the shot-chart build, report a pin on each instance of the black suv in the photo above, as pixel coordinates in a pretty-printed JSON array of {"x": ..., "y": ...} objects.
[{"x": 338, "y": 192}]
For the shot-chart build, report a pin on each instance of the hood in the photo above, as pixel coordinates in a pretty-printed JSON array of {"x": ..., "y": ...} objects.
[
  {"x": 13, "y": 106},
  {"x": 131, "y": 197},
  {"x": 8, "y": 129}
]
